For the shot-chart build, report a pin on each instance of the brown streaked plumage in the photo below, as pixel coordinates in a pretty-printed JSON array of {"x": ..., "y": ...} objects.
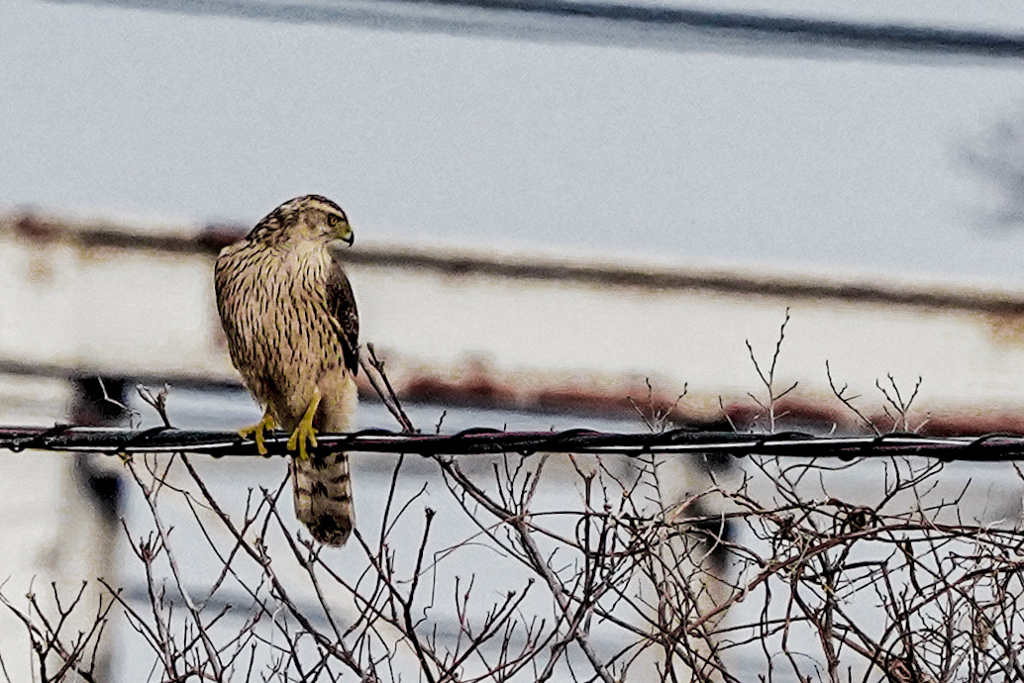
[{"x": 292, "y": 329}]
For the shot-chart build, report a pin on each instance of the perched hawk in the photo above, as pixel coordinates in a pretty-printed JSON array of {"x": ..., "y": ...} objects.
[{"x": 292, "y": 330}]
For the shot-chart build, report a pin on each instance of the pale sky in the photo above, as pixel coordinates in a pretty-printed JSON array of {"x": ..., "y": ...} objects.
[{"x": 698, "y": 157}]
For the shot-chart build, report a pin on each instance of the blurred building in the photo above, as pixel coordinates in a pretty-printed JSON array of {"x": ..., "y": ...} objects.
[
  {"x": 532, "y": 331},
  {"x": 543, "y": 339}
]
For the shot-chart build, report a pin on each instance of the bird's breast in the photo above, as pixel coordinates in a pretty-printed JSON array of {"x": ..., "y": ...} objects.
[{"x": 279, "y": 327}]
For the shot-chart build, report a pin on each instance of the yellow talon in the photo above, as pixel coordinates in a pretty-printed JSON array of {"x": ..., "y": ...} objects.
[
  {"x": 258, "y": 431},
  {"x": 305, "y": 432}
]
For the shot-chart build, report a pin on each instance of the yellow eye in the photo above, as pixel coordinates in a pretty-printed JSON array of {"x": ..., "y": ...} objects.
[{"x": 332, "y": 220}]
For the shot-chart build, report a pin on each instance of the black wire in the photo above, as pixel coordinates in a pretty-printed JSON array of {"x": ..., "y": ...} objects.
[
  {"x": 481, "y": 441},
  {"x": 611, "y": 23}
]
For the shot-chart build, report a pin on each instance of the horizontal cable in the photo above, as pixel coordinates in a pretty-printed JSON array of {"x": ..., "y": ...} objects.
[
  {"x": 991, "y": 447},
  {"x": 589, "y": 22}
]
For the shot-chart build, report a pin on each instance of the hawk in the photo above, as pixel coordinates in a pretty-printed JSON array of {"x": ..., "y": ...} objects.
[{"x": 292, "y": 330}]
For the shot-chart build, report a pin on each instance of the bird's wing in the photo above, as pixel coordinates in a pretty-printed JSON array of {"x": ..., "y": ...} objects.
[{"x": 342, "y": 304}]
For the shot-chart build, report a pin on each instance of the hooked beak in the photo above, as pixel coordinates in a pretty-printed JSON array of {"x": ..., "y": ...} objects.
[{"x": 345, "y": 234}]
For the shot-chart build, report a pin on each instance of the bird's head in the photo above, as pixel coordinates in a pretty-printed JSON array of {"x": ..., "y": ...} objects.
[{"x": 311, "y": 218}]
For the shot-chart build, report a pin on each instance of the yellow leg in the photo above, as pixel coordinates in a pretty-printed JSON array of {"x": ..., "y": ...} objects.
[
  {"x": 305, "y": 432},
  {"x": 258, "y": 431}
]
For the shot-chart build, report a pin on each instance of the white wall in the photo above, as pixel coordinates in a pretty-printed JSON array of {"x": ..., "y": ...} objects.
[{"x": 123, "y": 310}]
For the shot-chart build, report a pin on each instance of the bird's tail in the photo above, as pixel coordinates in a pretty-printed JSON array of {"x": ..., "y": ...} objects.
[{"x": 323, "y": 496}]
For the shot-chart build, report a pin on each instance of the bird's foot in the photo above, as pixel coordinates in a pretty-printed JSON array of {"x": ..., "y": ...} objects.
[
  {"x": 305, "y": 433},
  {"x": 258, "y": 432}
]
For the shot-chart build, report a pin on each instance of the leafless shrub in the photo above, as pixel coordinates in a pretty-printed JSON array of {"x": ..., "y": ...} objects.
[
  {"x": 773, "y": 394},
  {"x": 486, "y": 569},
  {"x": 61, "y": 651}
]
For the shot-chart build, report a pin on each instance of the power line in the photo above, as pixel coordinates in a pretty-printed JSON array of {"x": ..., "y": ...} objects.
[
  {"x": 602, "y": 23},
  {"x": 993, "y": 447}
]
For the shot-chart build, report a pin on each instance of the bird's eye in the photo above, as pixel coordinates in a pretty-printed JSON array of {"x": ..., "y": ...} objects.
[{"x": 332, "y": 220}]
